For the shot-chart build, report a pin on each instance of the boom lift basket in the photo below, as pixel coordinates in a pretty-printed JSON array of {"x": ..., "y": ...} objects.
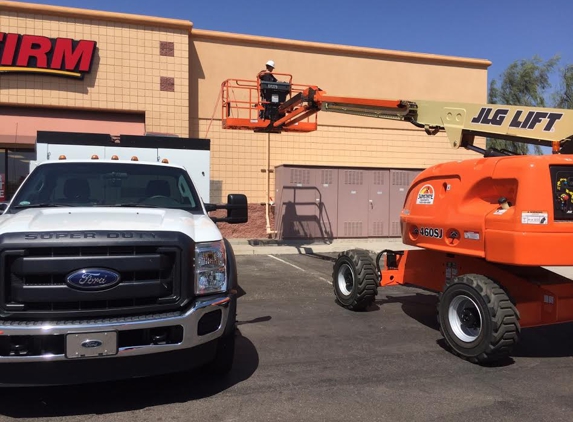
[{"x": 254, "y": 105}]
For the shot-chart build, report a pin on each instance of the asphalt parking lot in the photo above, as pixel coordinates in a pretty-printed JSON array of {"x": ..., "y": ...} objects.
[{"x": 299, "y": 356}]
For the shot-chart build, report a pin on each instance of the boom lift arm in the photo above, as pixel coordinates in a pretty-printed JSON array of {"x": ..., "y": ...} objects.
[
  {"x": 274, "y": 107},
  {"x": 462, "y": 122}
]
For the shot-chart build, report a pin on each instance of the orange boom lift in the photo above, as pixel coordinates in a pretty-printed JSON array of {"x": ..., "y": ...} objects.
[{"x": 485, "y": 227}]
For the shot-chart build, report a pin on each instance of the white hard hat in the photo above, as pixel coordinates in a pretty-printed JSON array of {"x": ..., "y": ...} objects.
[{"x": 271, "y": 63}]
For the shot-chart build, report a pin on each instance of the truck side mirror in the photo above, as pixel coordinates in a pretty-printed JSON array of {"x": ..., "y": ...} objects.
[{"x": 237, "y": 209}]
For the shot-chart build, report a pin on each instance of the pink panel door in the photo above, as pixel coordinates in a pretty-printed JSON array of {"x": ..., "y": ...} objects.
[
  {"x": 378, "y": 203},
  {"x": 352, "y": 203}
]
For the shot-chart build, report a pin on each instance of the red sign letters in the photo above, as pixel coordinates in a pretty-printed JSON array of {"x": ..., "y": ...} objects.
[{"x": 55, "y": 56}]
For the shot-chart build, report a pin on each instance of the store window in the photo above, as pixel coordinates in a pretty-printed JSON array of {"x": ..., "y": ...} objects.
[{"x": 14, "y": 167}]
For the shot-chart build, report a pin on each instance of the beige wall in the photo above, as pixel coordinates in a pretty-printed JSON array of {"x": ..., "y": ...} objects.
[
  {"x": 239, "y": 156},
  {"x": 127, "y": 67}
]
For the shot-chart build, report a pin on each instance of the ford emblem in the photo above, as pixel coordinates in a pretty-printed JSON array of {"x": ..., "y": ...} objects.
[
  {"x": 93, "y": 279},
  {"x": 90, "y": 344}
]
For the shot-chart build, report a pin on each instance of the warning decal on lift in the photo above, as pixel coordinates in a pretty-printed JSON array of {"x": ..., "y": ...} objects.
[
  {"x": 426, "y": 195},
  {"x": 533, "y": 217},
  {"x": 471, "y": 235}
]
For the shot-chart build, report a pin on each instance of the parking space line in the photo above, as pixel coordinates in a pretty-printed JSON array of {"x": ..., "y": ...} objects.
[
  {"x": 298, "y": 268},
  {"x": 286, "y": 262}
]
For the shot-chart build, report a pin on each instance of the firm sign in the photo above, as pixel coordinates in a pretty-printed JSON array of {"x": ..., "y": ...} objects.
[{"x": 54, "y": 56}]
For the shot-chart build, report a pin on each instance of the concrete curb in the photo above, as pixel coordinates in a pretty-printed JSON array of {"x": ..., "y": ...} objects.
[{"x": 243, "y": 246}]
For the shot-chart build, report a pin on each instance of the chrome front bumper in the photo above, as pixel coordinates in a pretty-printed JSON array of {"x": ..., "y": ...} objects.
[{"x": 188, "y": 320}]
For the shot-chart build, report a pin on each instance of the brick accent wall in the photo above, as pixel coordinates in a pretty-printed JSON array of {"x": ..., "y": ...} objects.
[
  {"x": 167, "y": 84},
  {"x": 167, "y": 48}
]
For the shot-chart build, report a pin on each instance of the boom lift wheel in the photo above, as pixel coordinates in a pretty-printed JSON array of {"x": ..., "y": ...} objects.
[
  {"x": 477, "y": 319},
  {"x": 354, "y": 279}
]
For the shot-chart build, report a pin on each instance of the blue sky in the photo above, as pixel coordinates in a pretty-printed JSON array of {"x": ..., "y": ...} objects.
[{"x": 501, "y": 31}]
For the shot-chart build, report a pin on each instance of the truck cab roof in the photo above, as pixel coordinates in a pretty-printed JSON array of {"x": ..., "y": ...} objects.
[{"x": 107, "y": 160}]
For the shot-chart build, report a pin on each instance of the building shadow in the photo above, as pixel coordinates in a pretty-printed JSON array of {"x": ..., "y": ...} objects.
[
  {"x": 129, "y": 395},
  {"x": 196, "y": 73}
]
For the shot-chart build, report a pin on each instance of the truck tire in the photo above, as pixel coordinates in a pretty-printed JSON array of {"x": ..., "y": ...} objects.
[
  {"x": 354, "y": 280},
  {"x": 223, "y": 362},
  {"x": 477, "y": 319}
]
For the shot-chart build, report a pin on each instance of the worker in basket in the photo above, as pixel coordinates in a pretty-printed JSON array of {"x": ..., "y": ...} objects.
[
  {"x": 267, "y": 73},
  {"x": 270, "y": 111}
]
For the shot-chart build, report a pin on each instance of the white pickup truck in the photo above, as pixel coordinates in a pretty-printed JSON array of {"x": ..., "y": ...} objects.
[{"x": 114, "y": 269}]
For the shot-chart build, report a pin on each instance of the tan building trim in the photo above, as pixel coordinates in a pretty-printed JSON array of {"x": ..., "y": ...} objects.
[
  {"x": 207, "y": 35},
  {"x": 94, "y": 14}
]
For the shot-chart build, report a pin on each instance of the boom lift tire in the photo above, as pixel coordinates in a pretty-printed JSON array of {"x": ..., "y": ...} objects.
[
  {"x": 477, "y": 319},
  {"x": 354, "y": 280}
]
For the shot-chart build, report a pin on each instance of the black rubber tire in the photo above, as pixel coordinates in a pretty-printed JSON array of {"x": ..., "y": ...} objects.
[
  {"x": 500, "y": 327},
  {"x": 223, "y": 362},
  {"x": 364, "y": 287}
]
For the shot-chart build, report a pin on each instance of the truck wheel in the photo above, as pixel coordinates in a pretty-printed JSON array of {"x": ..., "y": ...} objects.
[
  {"x": 354, "y": 280},
  {"x": 223, "y": 362},
  {"x": 477, "y": 319}
]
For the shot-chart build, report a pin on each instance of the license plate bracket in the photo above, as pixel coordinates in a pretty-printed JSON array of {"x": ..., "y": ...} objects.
[{"x": 88, "y": 345}]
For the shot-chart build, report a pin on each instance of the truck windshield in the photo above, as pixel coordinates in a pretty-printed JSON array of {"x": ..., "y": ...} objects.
[{"x": 106, "y": 184}]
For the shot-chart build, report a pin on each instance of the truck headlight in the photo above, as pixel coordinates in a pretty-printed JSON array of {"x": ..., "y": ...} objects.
[{"x": 210, "y": 268}]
